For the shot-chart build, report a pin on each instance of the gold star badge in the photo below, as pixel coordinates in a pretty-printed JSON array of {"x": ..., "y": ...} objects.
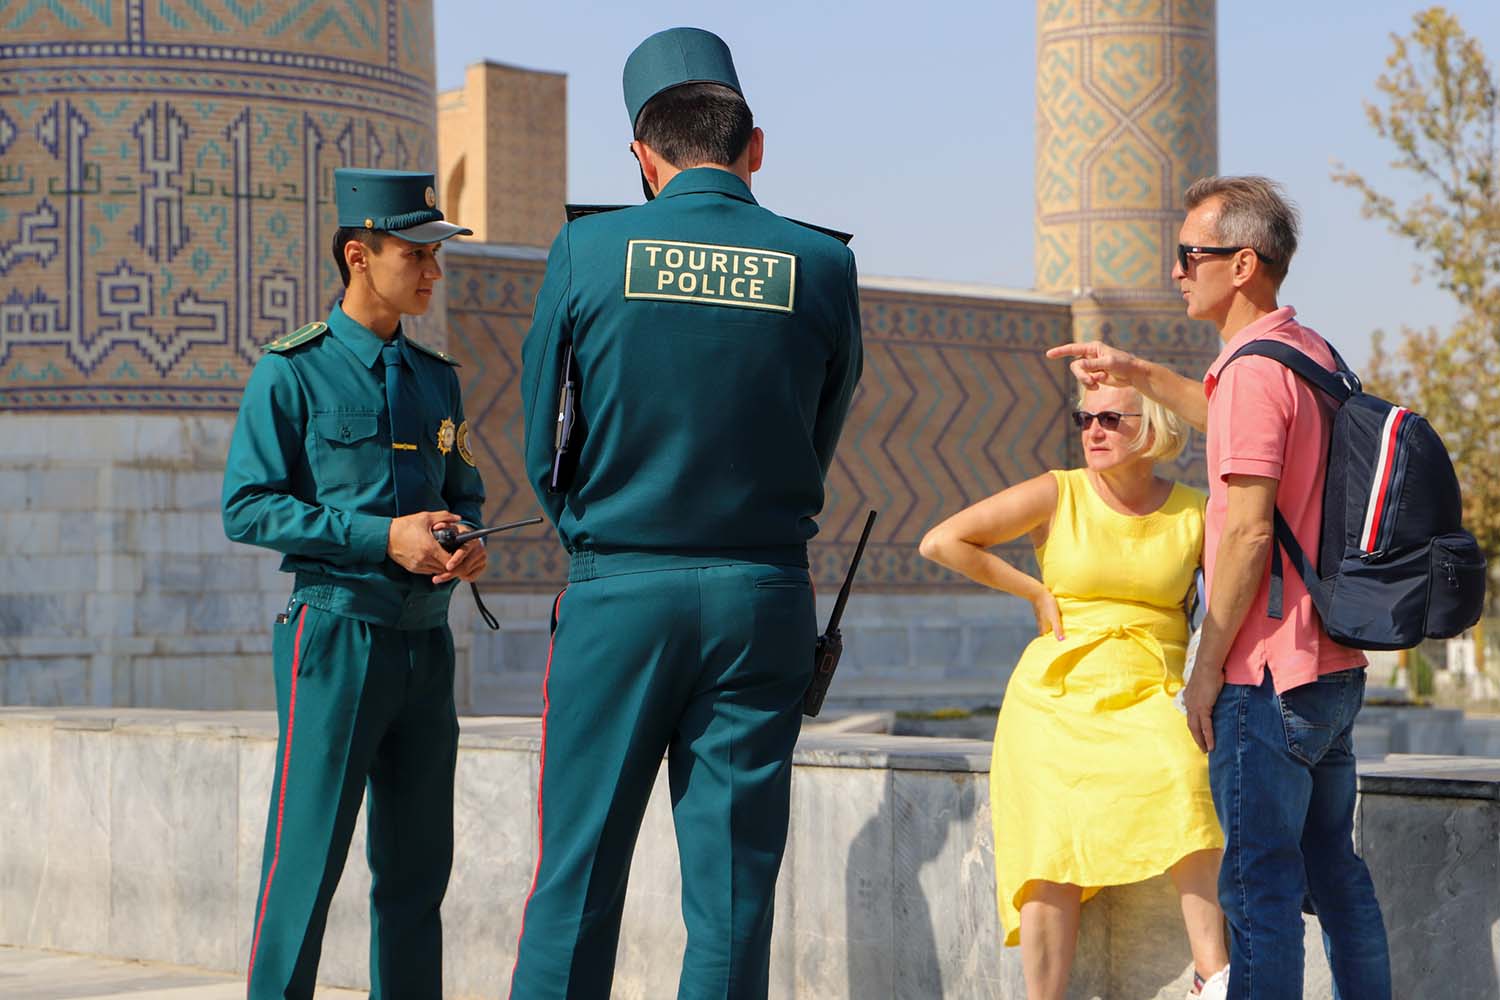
[{"x": 445, "y": 436}]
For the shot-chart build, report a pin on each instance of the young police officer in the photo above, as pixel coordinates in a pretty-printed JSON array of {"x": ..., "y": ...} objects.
[
  {"x": 717, "y": 348},
  {"x": 350, "y": 449}
]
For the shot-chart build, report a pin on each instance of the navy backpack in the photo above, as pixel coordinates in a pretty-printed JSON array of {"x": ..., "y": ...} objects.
[{"x": 1394, "y": 562}]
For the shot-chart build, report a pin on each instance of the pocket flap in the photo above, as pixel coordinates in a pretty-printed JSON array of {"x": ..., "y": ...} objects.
[
  {"x": 346, "y": 426},
  {"x": 1455, "y": 587}
]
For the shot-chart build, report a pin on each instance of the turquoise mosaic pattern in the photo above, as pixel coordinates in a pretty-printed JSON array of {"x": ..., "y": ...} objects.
[
  {"x": 166, "y": 183},
  {"x": 1126, "y": 119}
]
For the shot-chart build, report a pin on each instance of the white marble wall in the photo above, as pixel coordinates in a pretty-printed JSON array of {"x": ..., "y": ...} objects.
[
  {"x": 118, "y": 588},
  {"x": 117, "y": 585},
  {"x": 138, "y": 834},
  {"x": 901, "y": 651}
]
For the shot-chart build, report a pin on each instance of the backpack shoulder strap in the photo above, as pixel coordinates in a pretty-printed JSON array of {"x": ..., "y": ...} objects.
[
  {"x": 1336, "y": 385},
  {"x": 1286, "y": 541},
  {"x": 1340, "y": 385}
]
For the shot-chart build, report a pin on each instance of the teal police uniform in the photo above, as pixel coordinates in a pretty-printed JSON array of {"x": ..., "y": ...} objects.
[
  {"x": 717, "y": 349},
  {"x": 363, "y": 656}
]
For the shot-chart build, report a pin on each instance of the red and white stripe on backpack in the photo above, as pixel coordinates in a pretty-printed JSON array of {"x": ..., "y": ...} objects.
[{"x": 1380, "y": 482}]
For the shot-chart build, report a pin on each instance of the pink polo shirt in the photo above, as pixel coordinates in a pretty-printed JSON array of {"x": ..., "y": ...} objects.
[{"x": 1265, "y": 421}]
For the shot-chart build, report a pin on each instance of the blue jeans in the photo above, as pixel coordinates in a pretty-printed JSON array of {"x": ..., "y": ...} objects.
[{"x": 1282, "y": 772}]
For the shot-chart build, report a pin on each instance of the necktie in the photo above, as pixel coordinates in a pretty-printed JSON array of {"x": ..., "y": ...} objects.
[{"x": 406, "y": 430}]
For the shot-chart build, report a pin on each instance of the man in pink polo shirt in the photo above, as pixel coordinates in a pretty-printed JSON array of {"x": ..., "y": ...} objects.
[{"x": 1272, "y": 701}]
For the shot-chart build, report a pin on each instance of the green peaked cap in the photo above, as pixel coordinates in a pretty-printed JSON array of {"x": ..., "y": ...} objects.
[
  {"x": 401, "y": 202},
  {"x": 672, "y": 58}
]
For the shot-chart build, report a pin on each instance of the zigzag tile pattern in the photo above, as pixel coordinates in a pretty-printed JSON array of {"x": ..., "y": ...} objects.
[
  {"x": 956, "y": 403},
  {"x": 46, "y": 20}
]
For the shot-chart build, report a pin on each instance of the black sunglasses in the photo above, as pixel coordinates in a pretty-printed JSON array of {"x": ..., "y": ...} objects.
[
  {"x": 1183, "y": 249},
  {"x": 1109, "y": 419}
]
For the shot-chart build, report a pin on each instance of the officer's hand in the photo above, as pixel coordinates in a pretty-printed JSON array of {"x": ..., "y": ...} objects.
[
  {"x": 466, "y": 564},
  {"x": 1096, "y": 363},
  {"x": 412, "y": 545}
]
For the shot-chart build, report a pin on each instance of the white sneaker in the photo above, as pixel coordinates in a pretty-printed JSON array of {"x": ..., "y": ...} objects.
[{"x": 1215, "y": 987}]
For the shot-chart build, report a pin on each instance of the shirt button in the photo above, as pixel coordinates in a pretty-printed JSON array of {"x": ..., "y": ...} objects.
[{"x": 344, "y": 432}]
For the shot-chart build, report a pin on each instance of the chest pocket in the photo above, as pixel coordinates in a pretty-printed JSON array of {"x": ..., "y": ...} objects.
[{"x": 347, "y": 450}]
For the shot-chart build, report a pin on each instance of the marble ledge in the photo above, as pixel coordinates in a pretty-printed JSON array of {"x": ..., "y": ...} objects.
[
  {"x": 1432, "y": 776},
  {"x": 1427, "y": 776}
]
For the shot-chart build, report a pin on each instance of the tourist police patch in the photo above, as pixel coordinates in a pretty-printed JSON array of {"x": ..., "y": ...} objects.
[{"x": 710, "y": 275}]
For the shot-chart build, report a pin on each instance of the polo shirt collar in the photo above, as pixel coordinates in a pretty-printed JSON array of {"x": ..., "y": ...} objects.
[
  {"x": 1274, "y": 320},
  {"x": 708, "y": 180},
  {"x": 363, "y": 342}
]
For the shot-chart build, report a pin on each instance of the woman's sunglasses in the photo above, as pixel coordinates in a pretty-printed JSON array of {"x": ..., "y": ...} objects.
[{"x": 1109, "y": 419}]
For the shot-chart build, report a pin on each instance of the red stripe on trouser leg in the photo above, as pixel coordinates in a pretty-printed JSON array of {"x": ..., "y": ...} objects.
[
  {"x": 540, "y": 776},
  {"x": 286, "y": 764}
]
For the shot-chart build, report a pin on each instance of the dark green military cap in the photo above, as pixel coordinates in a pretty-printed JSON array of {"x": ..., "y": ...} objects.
[
  {"x": 672, "y": 58},
  {"x": 400, "y": 202}
]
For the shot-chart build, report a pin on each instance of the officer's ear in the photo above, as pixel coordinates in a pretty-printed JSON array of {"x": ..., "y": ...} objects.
[
  {"x": 650, "y": 163},
  {"x": 356, "y": 256},
  {"x": 756, "y": 148}
]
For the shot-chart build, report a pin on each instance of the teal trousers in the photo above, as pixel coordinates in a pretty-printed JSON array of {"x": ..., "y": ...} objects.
[
  {"x": 361, "y": 707},
  {"x": 705, "y": 661}
]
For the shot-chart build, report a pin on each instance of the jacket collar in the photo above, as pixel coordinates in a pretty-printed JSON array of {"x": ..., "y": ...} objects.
[
  {"x": 363, "y": 342},
  {"x": 708, "y": 180}
]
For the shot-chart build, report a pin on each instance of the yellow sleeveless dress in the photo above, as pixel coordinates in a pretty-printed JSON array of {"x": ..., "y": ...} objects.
[{"x": 1095, "y": 780}]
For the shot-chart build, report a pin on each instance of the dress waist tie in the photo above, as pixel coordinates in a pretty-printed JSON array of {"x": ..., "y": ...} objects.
[{"x": 1084, "y": 639}]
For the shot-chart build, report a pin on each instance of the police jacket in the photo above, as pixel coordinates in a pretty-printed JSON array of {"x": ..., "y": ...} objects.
[
  {"x": 718, "y": 348},
  {"x": 309, "y": 472}
]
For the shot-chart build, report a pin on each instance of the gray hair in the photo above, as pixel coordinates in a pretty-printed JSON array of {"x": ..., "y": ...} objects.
[{"x": 1254, "y": 212}]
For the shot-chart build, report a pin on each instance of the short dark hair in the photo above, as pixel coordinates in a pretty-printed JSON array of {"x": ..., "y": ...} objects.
[
  {"x": 696, "y": 123},
  {"x": 345, "y": 235}
]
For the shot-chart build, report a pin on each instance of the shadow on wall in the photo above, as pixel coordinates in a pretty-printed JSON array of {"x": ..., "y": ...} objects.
[
  {"x": 1436, "y": 871},
  {"x": 910, "y": 888}
]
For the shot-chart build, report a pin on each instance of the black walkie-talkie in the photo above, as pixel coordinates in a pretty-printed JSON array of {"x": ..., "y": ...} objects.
[
  {"x": 831, "y": 643},
  {"x": 564, "y": 451},
  {"x": 451, "y": 539}
]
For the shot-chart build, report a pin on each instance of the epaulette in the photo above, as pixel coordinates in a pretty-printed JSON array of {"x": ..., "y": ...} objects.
[
  {"x": 296, "y": 338},
  {"x": 579, "y": 211},
  {"x": 842, "y": 237},
  {"x": 434, "y": 352}
]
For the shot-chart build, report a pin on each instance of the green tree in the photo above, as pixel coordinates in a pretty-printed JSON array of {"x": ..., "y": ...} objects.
[{"x": 1439, "y": 108}]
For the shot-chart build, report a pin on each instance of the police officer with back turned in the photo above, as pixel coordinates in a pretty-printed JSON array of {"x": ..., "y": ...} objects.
[
  {"x": 351, "y": 448},
  {"x": 717, "y": 348}
]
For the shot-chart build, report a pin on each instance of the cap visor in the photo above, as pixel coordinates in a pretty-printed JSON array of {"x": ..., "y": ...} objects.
[{"x": 431, "y": 232}]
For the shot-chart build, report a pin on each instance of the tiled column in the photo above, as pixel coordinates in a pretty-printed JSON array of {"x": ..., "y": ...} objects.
[{"x": 1127, "y": 118}]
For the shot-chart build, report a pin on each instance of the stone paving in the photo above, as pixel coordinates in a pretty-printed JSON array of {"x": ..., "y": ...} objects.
[{"x": 26, "y": 974}]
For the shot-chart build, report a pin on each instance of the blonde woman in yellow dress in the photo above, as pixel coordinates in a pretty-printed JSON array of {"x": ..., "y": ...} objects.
[{"x": 1095, "y": 780}]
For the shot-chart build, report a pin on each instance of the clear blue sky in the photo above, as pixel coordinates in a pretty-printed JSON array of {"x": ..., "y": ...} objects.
[{"x": 914, "y": 129}]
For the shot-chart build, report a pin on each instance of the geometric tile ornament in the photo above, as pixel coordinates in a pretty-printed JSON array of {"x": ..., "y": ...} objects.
[
  {"x": 166, "y": 173},
  {"x": 1127, "y": 118},
  {"x": 956, "y": 402}
]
